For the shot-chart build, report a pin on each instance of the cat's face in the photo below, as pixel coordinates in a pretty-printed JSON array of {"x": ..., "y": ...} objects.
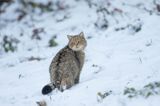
[{"x": 77, "y": 42}]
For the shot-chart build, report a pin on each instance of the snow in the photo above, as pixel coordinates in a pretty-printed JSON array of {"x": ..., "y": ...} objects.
[{"x": 114, "y": 59}]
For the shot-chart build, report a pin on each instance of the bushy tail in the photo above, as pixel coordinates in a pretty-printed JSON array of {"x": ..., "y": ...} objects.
[{"x": 48, "y": 88}]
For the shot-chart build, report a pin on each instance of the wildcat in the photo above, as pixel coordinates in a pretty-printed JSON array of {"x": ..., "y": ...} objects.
[{"x": 66, "y": 66}]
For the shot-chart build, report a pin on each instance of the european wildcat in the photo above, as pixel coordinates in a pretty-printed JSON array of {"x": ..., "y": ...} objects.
[{"x": 66, "y": 66}]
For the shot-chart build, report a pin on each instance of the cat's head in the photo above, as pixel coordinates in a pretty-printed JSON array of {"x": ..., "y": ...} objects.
[{"x": 77, "y": 42}]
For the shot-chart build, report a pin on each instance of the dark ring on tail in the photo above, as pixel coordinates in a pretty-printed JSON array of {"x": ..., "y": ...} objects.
[{"x": 47, "y": 89}]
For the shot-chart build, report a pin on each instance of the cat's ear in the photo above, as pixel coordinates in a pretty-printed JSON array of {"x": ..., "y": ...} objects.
[
  {"x": 69, "y": 37},
  {"x": 81, "y": 34}
]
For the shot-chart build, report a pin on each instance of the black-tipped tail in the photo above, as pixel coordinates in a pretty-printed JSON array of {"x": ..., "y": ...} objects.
[{"x": 47, "y": 89}]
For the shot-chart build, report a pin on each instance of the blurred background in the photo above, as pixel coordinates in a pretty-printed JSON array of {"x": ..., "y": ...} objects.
[
  {"x": 122, "y": 56},
  {"x": 30, "y": 24}
]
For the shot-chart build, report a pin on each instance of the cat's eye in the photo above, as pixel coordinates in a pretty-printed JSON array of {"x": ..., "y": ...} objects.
[
  {"x": 72, "y": 43},
  {"x": 77, "y": 43}
]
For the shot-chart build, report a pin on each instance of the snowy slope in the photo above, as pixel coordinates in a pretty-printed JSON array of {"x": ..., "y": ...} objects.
[{"x": 117, "y": 57}]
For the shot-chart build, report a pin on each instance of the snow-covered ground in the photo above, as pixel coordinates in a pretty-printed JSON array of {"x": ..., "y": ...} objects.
[{"x": 123, "y": 53}]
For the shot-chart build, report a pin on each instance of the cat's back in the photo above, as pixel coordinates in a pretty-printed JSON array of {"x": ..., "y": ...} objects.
[{"x": 63, "y": 58}]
